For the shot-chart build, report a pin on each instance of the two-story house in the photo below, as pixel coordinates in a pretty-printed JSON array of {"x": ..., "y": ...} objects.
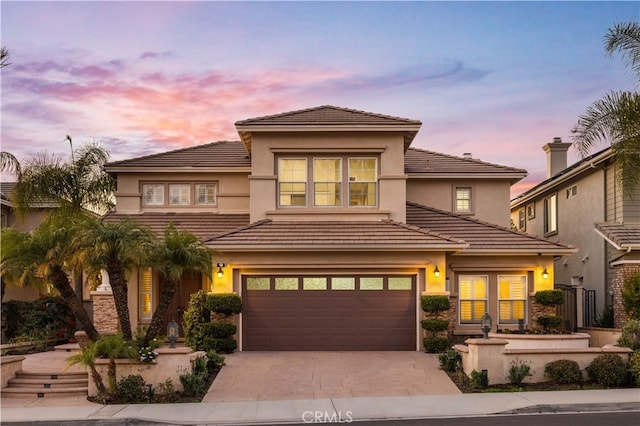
[
  {"x": 331, "y": 226},
  {"x": 583, "y": 205}
]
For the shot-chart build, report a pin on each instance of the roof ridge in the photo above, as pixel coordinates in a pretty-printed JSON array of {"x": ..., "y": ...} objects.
[
  {"x": 481, "y": 222},
  {"x": 426, "y": 231},
  {"x": 472, "y": 160},
  {"x": 243, "y": 228},
  {"x": 144, "y": 157},
  {"x": 326, "y": 106}
]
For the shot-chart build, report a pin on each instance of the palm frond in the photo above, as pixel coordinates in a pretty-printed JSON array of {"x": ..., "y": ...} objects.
[{"x": 624, "y": 38}]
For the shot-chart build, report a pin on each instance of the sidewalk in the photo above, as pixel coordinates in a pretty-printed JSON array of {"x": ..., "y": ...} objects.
[{"x": 336, "y": 409}]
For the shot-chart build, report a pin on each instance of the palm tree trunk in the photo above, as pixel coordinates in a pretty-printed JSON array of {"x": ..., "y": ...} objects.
[
  {"x": 120, "y": 296},
  {"x": 168, "y": 289},
  {"x": 61, "y": 282}
]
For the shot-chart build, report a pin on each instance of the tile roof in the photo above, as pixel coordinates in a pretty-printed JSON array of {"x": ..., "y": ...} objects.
[
  {"x": 333, "y": 235},
  {"x": 215, "y": 154},
  {"x": 423, "y": 161},
  {"x": 327, "y": 115},
  {"x": 623, "y": 236},
  {"x": 6, "y": 188},
  {"x": 482, "y": 237},
  {"x": 202, "y": 225}
]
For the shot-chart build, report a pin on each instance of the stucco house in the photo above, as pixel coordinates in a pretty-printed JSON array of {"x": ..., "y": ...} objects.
[
  {"x": 583, "y": 205},
  {"x": 331, "y": 226}
]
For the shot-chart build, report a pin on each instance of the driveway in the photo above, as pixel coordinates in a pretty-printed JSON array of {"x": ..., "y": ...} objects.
[{"x": 264, "y": 376}]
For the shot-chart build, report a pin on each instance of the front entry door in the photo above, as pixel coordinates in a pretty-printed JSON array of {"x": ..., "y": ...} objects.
[{"x": 189, "y": 283}]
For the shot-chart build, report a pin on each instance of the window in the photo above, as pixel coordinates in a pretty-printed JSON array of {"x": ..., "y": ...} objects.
[
  {"x": 522, "y": 220},
  {"x": 179, "y": 194},
  {"x": 314, "y": 283},
  {"x": 512, "y": 297},
  {"x": 551, "y": 214},
  {"x": 287, "y": 283},
  {"x": 292, "y": 181},
  {"x": 327, "y": 181},
  {"x": 400, "y": 283},
  {"x": 258, "y": 283},
  {"x": 206, "y": 193},
  {"x": 572, "y": 192},
  {"x": 473, "y": 298},
  {"x": 371, "y": 283},
  {"x": 343, "y": 283},
  {"x": 463, "y": 199},
  {"x": 153, "y": 194},
  {"x": 145, "y": 296},
  {"x": 531, "y": 211},
  {"x": 363, "y": 181}
]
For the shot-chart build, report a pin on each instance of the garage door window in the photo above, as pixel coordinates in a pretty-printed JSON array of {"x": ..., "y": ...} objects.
[
  {"x": 287, "y": 283},
  {"x": 255, "y": 283},
  {"x": 343, "y": 283},
  {"x": 314, "y": 283},
  {"x": 399, "y": 283},
  {"x": 371, "y": 283}
]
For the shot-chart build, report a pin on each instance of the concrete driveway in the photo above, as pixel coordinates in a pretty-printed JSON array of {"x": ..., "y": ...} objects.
[{"x": 265, "y": 376}]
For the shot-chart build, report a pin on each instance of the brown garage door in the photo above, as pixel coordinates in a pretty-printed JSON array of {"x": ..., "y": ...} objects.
[{"x": 329, "y": 313}]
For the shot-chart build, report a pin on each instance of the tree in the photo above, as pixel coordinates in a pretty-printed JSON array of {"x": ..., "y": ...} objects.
[
  {"x": 178, "y": 252},
  {"x": 10, "y": 164},
  {"x": 4, "y": 57},
  {"x": 616, "y": 117},
  {"x": 117, "y": 248},
  {"x": 46, "y": 253}
]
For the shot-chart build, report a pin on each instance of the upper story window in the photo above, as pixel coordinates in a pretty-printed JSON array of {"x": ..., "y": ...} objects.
[
  {"x": 531, "y": 211},
  {"x": 551, "y": 214},
  {"x": 522, "y": 220},
  {"x": 327, "y": 185},
  {"x": 206, "y": 193},
  {"x": 153, "y": 194},
  {"x": 572, "y": 192},
  {"x": 327, "y": 181},
  {"x": 292, "y": 181},
  {"x": 463, "y": 199},
  {"x": 179, "y": 194}
]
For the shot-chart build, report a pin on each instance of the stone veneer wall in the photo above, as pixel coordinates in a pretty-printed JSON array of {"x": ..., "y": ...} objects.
[
  {"x": 105, "y": 316},
  {"x": 621, "y": 273},
  {"x": 537, "y": 310}
]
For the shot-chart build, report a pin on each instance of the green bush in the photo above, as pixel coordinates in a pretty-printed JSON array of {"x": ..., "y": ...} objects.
[
  {"x": 215, "y": 361},
  {"x": 608, "y": 370},
  {"x": 549, "y": 322},
  {"x": 435, "y": 324},
  {"x": 450, "y": 361},
  {"x": 115, "y": 347},
  {"x": 518, "y": 372},
  {"x": 605, "y": 319},
  {"x": 192, "y": 384},
  {"x": 131, "y": 389},
  {"x": 225, "y": 303},
  {"x": 219, "y": 330},
  {"x": 434, "y": 304},
  {"x": 634, "y": 368},
  {"x": 563, "y": 372},
  {"x": 630, "y": 335},
  {"x": 631, "y": 297},
  {"x": 476, "y": 380},
  {"x": 222, "y": 346},
  {"x": 435, "y": 344},
  {"x": 195, "y": 316},
  {"x": 48, "y": 317},
  {"x": 549, "y": 297}
]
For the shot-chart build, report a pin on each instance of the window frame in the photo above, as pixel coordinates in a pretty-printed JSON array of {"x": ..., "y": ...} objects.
[
  {"x": 374, "y": 181},
  {"x": 524, "y": 299},
  {"x": 292, "y": 182},
  {"x": 522, "y": 220},
  {"x": 551, "y": 214},
  {"x": 156, "y": 185},
  {"x": 180, "y": 185},
  {"x": 339, "y": 182},
  {"x": 472, "y": 321},
  {"x": 531, "y": 211},
  {"x": 205, "y": 184},
  {"x": 142, "y": 292},
  {"x": 456, "y": 199}
]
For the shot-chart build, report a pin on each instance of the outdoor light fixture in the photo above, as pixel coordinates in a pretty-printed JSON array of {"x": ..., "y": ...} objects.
[
  {"x": 545, "y": 274},
  {"x": 220, "y": 272},
  {"x": 485, "y": 324},
  {"x": 173, "y": 329},
  {"x": 436, "y": 272}
]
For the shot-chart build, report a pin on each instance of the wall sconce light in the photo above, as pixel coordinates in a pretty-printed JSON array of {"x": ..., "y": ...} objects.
[
  {"x": 436, "y": 272},
  {"x": 545, "y": 274},
  {"x": 220, "y": 272}
]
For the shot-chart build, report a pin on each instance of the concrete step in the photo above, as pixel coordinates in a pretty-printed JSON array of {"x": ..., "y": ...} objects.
[
  {"x": 10, "y": 392},
  {"x": 48, "y": 384},
  {"x": 48, "y": 376},
  {"x": 40, "y": 384}
]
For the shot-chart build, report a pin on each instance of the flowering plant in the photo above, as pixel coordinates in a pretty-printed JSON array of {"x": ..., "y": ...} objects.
[{"x": 147, "y": 354}]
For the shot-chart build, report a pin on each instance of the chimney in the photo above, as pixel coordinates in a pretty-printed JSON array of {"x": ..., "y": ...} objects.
[{"x": 556, "y": 156}]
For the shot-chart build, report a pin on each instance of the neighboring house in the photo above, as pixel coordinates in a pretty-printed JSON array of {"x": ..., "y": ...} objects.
[
  {"x": 330, "y": 226},
  {"x": 584, "y": 206},
  {"x": 31, "y": 220}
]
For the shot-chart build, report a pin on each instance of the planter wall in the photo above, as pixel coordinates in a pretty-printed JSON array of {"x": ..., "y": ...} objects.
[
  {"x": 543, "y": 341},
  {"x": 602, "y": 336},
  {"x": 171, "y": 363},
  {"x": 10, "y": 365}
]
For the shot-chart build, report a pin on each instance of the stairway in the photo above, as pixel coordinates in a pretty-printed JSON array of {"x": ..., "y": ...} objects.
[{"x": 36, "y": 384}]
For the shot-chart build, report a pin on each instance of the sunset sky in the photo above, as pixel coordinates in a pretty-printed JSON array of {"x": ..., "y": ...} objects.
[{"x": 497, "y": 79}]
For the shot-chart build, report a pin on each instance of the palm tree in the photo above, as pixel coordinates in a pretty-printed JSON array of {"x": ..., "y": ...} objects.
[
  {"x": 46, "y": 253},
  {"x": 10, "y": 164},
  {"x": 616, "y": 117},
  {"x": 117, "y": 248},
  {"x": 4, "y": 57},
  {"x": 180, "y": 251}
]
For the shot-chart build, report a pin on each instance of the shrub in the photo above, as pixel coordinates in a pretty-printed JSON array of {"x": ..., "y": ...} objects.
[
  {"x": 518, "y": 372},
  {"x": 223, "y": 346},
  {"x": 549, "y": 322},
  {"x": 48, "y": 317},
  {"x": 605, "y": 319},
  {"x": 131, "y": 389},
  {"x": 215, "y": 361},
  {"x": 435, "y": 344},
  {"x": 196, "y": 315},
  {"x": 166, "y": 392},
  {"x": 450, "y": 361},
  {"x": 549, "y": 297},
  {"x": 225, "y": 303},
  {"x": 630, "y": 335},
  {"x": 115, "y": 347},
  {"x": 435, "y": 324},
  {"x": 631, "y": 297},
  {"x": 192, "y": 384},
  {"x": 477, "y": 381},
  {"x": 563, "y": 372},
  {"x": 434, "y": 304},
  {"x": 608, "y": 370},
  {"x": 219, "y": 330}
]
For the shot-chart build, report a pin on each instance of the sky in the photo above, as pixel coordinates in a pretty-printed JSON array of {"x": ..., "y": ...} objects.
[{"x": 496, "y": 79}]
